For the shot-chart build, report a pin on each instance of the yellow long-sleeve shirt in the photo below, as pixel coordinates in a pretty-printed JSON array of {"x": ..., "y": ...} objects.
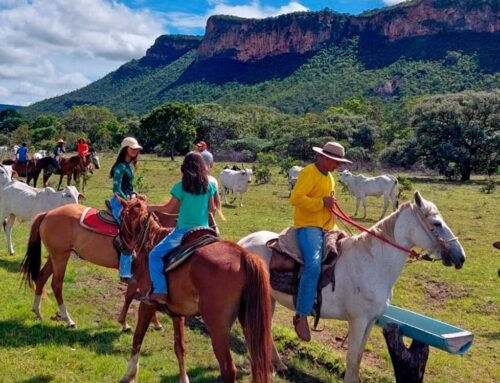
[{"x": 307, "y": 198}]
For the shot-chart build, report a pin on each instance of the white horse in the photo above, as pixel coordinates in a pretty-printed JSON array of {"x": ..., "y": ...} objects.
[{"x": 368, "y": 268}]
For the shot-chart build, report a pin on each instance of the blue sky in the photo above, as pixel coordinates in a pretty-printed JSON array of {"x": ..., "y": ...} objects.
[{"x": 51, "y": 47}]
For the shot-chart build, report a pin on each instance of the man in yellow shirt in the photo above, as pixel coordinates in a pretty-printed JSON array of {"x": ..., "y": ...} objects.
[{"x": 312, "y": 198}]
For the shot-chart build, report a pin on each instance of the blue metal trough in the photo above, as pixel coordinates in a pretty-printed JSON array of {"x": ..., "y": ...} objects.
[{"x": 427, "y": 330}]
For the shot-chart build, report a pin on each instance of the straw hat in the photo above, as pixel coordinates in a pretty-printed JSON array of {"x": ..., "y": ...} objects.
[
  {"x": 130, "y": 142},
  {"x": 332, "y": 150}
]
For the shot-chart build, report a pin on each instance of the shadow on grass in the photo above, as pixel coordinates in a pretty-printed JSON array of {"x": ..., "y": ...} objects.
[
  {"x": 491, "y": 335},
  {"x": 11, "y": 264},
  {"x": 39, "y": 379},
  {"x": 445, "y": 181},
  {"x": 196, "y": 375},
  {"x": 236, "y": 343},
  {"x": 295, "y": 375},
  {"x": 15, "y": 334}
]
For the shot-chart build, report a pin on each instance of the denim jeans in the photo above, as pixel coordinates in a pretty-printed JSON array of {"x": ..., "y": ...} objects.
[
  {"x": 167, "y": 244},
  {"x": 125, "y": 269},
  {"x": 311, "y": 246}
]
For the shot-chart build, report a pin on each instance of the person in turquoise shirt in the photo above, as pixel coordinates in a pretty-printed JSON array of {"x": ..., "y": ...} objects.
[{"x": 192, "y": 198}]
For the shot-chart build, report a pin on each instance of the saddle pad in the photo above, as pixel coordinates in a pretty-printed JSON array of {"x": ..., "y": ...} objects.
[{"x": 90, "y": 220}]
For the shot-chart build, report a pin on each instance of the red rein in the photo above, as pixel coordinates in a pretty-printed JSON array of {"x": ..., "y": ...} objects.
[{"x": 344, "y": 217}]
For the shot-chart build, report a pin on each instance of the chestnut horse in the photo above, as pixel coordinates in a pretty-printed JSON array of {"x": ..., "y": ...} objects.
[
  {"x": 73, "y": 167},
  {"x": 60, "y": 231},
  {"x": 220, "y": 281}
]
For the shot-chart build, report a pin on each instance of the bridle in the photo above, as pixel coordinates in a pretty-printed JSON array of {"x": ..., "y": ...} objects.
[
  {"x": 433, "y": 234},
  {"x": 143, "y": 234},
  {"x": 429, "y": 229}
]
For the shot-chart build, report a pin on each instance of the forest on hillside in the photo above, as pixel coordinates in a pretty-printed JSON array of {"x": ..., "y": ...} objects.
[{"x": 455, "y": 134}]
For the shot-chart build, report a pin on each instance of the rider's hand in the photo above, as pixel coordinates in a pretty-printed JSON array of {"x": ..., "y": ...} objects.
[{"x": 328, "y": 201}]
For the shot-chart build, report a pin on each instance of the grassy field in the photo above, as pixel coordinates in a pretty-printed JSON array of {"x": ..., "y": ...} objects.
[{"x": 96, "y": 351}]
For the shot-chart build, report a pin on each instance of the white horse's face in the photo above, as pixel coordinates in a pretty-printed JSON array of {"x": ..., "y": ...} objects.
[
  {"x": 435, "y": 236},
  {"x": 95, "y": 161}
]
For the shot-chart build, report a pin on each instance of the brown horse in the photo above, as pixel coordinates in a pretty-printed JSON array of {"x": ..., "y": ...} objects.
[
  {"x": 220, "y": 281},
  {"x": 32, "y": 169},
  {"x": 60, "y": 231},
  {"x": 74, "y": 166}
]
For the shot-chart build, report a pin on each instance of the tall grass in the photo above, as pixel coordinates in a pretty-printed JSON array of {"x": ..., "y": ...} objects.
[{"x": 34, "y": 351}]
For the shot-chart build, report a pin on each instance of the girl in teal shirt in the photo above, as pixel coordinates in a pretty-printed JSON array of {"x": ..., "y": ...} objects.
[
  {"x": 123, "y": 185},
  {"x": 192, "y": 198}
]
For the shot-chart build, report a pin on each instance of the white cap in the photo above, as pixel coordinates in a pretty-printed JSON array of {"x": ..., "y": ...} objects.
[{"x": 130, "y": 142}]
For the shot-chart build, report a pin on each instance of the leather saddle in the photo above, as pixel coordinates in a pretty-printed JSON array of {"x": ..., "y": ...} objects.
[
  {"x": 192, "y": 240},
  {"x": 286, "y": 262}
]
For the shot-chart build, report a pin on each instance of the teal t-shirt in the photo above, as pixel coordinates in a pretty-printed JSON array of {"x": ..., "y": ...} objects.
[{"x": 194, "y": 207}]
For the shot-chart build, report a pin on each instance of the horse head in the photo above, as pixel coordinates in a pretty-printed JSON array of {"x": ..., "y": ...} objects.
[
  {"x": 94, "y": 159},
  {"x": 434, "y": 235}
]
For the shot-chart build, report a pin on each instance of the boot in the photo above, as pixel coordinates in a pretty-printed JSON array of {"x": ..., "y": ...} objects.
[{"x": 302, "y": 327}]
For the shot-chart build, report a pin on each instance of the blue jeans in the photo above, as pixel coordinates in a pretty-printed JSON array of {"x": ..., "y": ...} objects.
[
  {"x": 167, "y": 244},
  {"x": 125, "y": 269},
  {"x": 311, "y": 246}
]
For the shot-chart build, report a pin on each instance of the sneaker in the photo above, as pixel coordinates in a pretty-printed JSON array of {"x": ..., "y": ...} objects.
[{"x": 302, "y": 327}]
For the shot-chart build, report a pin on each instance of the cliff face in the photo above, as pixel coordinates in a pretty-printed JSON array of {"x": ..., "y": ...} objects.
[
  {"x": 251, "y": 40},
  {"x": 167, "y": 49}
]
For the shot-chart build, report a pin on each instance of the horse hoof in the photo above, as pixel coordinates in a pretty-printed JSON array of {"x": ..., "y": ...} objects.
[
  {"x": 126, "y": 330},
  {"x": 71, "y": 325},
  {"x": 158, "y": 328}
]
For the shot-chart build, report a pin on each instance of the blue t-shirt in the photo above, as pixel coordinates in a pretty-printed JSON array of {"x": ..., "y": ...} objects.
[
  {"x": 22, "y": 153},
  {"x": 193, "y": 211}
]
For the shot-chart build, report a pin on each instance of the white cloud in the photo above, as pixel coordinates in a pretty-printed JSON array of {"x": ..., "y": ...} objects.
[
  {"x": 50, "y": 47},
  {"x": 252, "y": 10},
  {"x": 392, "y": 2}
]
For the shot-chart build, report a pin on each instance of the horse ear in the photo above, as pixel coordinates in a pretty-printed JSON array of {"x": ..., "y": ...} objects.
[
  {"x": 142, "y": 197},
  {"x": 418, "y": 199}
]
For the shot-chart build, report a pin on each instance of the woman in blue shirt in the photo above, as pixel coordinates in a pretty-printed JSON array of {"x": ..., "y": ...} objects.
[
  {"x": 193, "y": 199},
  {"x": 123, "y": 185}
]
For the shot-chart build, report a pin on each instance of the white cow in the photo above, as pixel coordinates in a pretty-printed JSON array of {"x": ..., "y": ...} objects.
[
  {"x": 24, "y": 202},
  {"x": 235, "y": 180},
  {"x": 39, "y": 154},
  {"x": 361, "y": 186},
  {"x": 293, "y": 174}
]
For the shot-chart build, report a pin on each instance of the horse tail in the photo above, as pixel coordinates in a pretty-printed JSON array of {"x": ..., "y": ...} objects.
[
  {"x": 256, "y": 315},
  {"x": 33, "y": 258}
]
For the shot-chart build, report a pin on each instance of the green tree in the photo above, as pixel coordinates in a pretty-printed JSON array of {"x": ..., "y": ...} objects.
[
  {"x": 89, "y": 120},
  {"x": 459, "y": 132},
  {"x": 20, "y": 135},
  {"x": 10, "y": 119},
  {"x": 171, "y": 127}
]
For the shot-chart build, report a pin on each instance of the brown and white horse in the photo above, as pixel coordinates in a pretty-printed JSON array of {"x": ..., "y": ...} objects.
[
  {"x": 60, "y": 231},
  {"x": 221, "y": 282}
]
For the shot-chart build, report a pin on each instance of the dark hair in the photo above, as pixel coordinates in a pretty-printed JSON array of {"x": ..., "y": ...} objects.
[
  {"x": 194, "y": 174},
  {"x": 121, "y": 158}
]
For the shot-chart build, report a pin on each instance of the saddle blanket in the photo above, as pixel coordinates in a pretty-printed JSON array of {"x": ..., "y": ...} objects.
[{"x": 91, "y": 220}]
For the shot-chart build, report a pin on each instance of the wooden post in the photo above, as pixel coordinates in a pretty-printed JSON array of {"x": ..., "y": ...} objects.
[{"x": 409, "y": 363}]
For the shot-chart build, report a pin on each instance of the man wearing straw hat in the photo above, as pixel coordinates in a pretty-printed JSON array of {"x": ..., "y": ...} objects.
[{"x": 312, "y": 198}]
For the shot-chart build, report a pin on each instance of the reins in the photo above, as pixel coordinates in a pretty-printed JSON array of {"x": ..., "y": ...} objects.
[{"x": 341, "y": 214}]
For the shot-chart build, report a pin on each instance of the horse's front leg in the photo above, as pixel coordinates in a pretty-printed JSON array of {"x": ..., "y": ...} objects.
[
  {"x": 129, "y": 296},
  {"x": 8, "y": 224},
  {"x": 60, "y": 181},
  {"x": 180, "y": 347},
  {"x": 359, "y": 329},
  {"x": 145, "y": 314}
]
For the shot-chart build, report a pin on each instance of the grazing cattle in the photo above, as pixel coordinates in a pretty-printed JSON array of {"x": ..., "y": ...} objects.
[
  {"x": 293, "y": 174},
  {"x": 234, "y": 167},
  {"x": 24, "y": 202},
  {"x": 361, "y": 186},
  {"x": 236, "y": 181}
]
